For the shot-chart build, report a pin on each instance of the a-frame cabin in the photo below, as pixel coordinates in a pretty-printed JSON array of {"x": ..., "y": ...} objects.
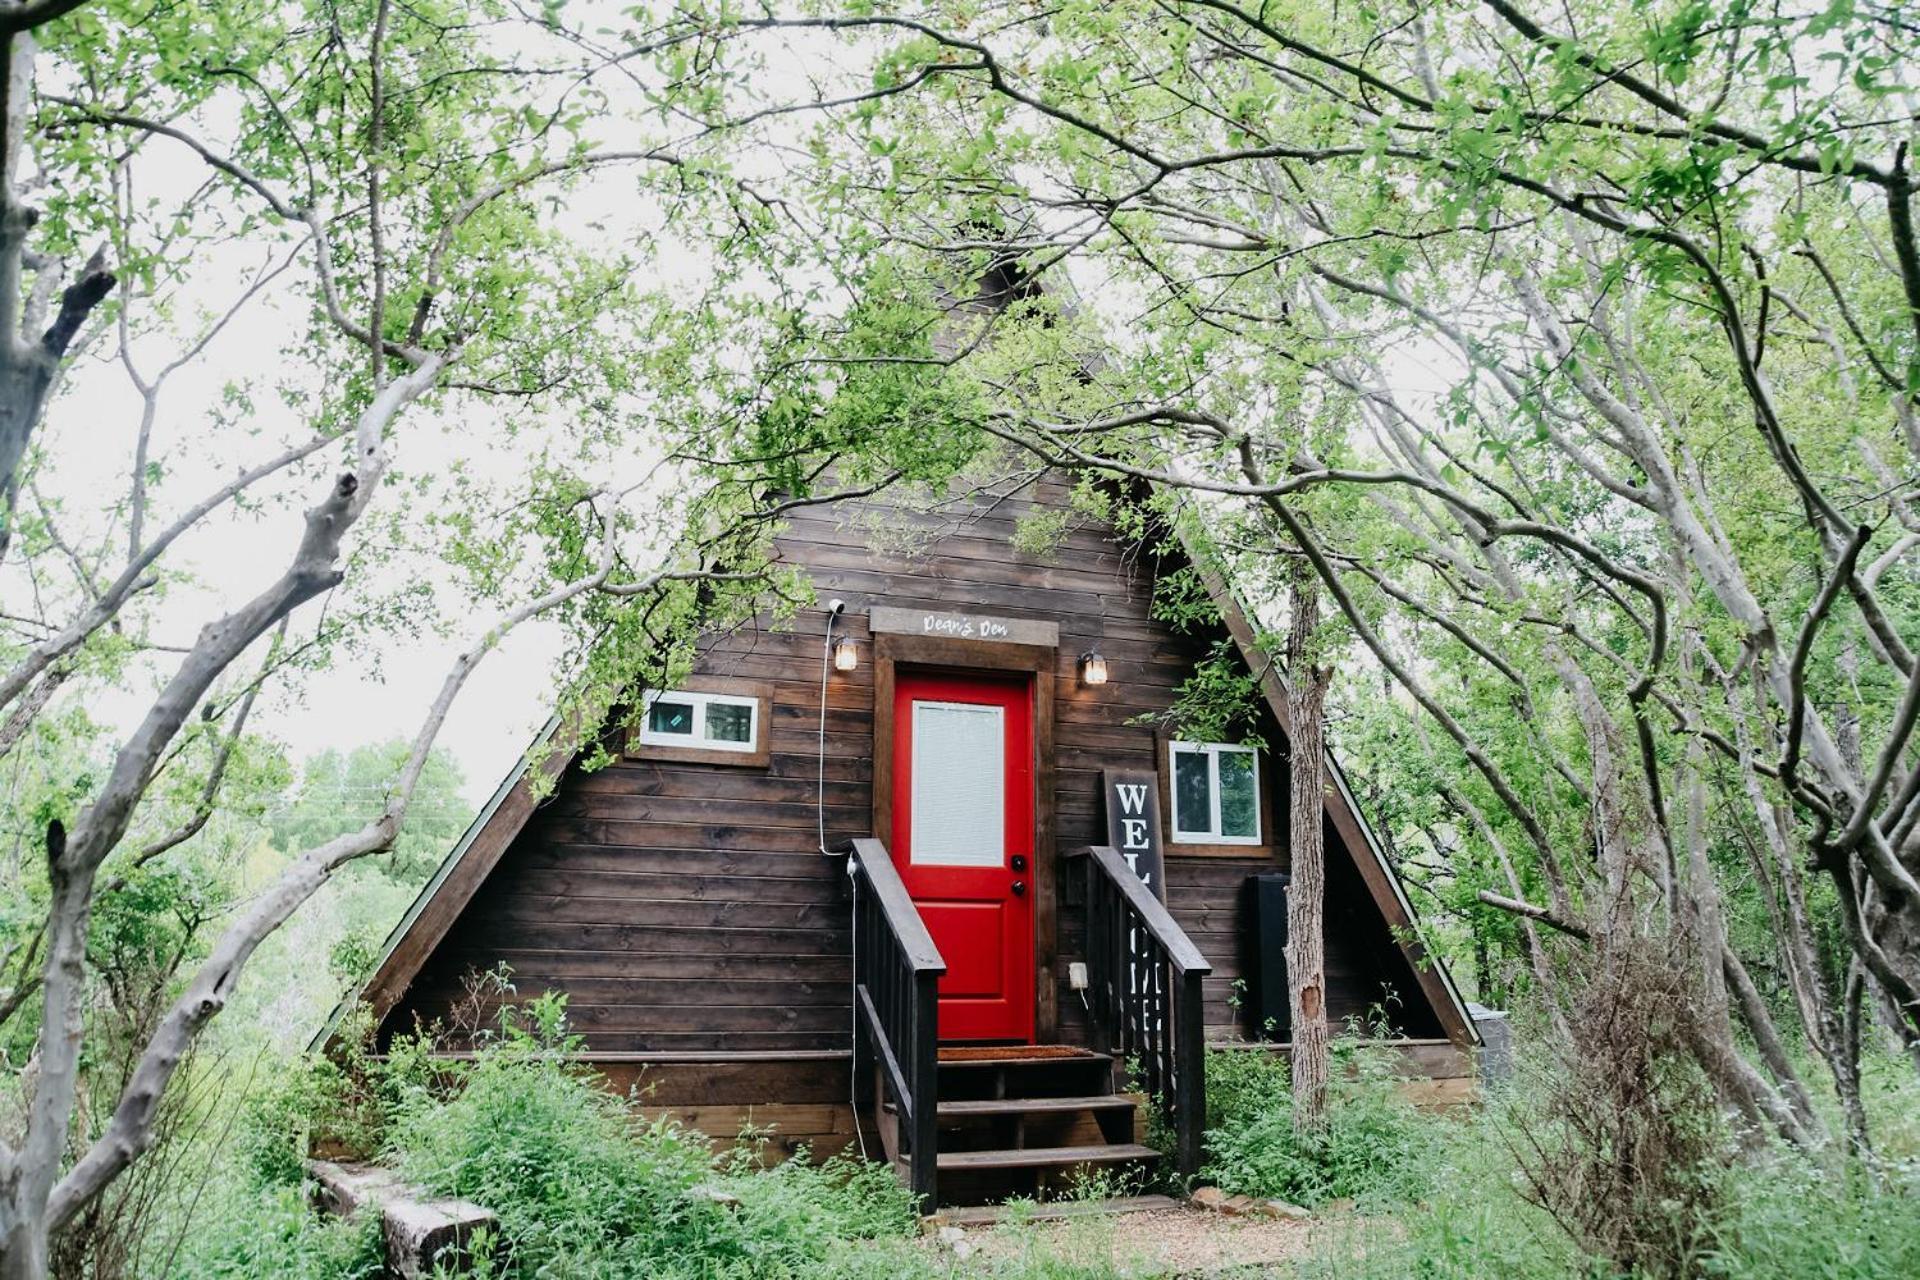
[{"x": 965, "y": 978}]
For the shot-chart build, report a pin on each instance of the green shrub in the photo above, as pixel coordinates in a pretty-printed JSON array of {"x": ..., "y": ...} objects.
[
  {"x": 583, "y": 1189},
  {"x": 271, "y": 1233},
  {"x": 1890, "y": 1090},
  {"x": 1782, "y": 1215},
  {"x": 271, "y": 1134},
  {"x": 1242, "y": 1083},
  {"x": 1373, "y": 1149}
]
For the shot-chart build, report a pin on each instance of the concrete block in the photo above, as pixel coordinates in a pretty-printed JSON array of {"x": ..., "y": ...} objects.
[
  {"x": 419, "y": 1233},
  {"x": 416, "y": 1229}
]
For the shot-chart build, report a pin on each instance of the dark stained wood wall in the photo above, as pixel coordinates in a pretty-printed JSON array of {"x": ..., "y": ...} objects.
[{"x": 685, "y": 908}]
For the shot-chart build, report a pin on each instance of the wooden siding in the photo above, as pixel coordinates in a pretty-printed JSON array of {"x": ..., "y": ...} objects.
[{"x": 686, "y": 908}]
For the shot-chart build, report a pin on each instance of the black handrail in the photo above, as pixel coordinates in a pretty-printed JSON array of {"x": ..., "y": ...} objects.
[
  {"x": 1144, "y": 979},
  {"x": 896, "y": 971}
]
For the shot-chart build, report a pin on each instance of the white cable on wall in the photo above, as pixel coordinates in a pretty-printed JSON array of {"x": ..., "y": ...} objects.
[{"x": 834, "y": 609}]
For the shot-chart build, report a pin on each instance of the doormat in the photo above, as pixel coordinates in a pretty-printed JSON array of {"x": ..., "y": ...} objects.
[{"x": 1008, "y": 1052}]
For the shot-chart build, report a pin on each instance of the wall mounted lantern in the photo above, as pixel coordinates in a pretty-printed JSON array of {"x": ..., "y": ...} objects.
[
  {"x": 846, "y": 656},
  {"x": 1093, "y": 667}
]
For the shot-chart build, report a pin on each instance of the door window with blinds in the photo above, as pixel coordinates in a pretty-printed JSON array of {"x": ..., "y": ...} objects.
[
  {"x": 958, "y": 800},
  {"x": 1215, "y": 789}
]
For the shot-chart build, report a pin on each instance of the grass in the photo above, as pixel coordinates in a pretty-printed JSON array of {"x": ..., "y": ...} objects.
[{"x": 583, "y": 1189}]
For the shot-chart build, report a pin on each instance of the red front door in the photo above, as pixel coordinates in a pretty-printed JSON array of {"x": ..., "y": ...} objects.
[{"x": 963, "y": 839}]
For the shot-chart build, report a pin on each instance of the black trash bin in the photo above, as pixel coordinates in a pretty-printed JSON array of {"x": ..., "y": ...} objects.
[{"x": 1273, "y": 1019}]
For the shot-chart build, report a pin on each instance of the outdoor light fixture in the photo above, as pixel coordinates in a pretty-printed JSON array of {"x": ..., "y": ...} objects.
[
  {"x": 845, "y": 655},
  {"x": 1093, "y": 667}
]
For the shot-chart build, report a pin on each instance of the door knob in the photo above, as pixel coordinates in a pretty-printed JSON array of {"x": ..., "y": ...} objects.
[
  {"x": 1019, "y": 862},
  {"x": 1019, "y": 888}
]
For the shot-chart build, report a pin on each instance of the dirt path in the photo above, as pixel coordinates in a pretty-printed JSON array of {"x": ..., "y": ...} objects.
[{"x": 1161, "y": 1243}]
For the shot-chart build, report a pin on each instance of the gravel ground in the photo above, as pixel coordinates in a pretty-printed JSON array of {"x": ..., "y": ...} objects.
[{"x": 1161, "y": 1243}]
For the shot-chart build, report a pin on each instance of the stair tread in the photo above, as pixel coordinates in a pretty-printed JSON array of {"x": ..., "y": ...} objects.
[
  {"x": 1045, "y": 1157},
  {"x": 1017, "y": 1106},
  {"x": 1072, "y": 1059}
]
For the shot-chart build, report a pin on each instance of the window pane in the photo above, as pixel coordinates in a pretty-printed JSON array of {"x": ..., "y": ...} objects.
[
  {"x": 1192, "y": 792},
  {"x": 1239, "y": 810},
  {"x": 959, "y": 785},
  {"x": 670, "y": 717},
  {"x": 728, "y": 723}
]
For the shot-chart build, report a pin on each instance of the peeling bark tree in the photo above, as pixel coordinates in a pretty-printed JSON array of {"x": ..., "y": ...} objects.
[{"x": 1307, "y": 677}]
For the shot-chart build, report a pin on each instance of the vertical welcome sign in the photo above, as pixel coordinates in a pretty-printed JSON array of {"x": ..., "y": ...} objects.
[
  {"x": 1133, "y": 824},
  {"x": 1133, "y": 828}
]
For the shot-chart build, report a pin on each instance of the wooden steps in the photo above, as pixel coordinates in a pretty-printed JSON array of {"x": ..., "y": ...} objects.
[
  {"x": 1032, "y": 1106},
  {"x": 1029, "y": 1121},
  {"x": 1008, "y": 1052},
  {"x": 1046, "y": 1157}
]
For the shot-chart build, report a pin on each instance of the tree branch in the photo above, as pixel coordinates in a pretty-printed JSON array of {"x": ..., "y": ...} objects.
[{"x": 1533, "y": 911}]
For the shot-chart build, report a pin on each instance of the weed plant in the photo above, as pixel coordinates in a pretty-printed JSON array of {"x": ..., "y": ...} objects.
[
  {"x": 585, "y": 1189},
  {"x": 1375, "y": 1147}
]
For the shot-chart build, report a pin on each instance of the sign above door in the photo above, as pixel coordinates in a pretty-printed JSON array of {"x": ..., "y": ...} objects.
[{"x": 886, "y": 620}]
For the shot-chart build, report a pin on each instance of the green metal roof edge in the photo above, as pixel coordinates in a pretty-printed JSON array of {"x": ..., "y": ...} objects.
[{"x": 432, "y": 886}]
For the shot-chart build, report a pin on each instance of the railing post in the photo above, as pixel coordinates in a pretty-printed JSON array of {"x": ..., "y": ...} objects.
[
  {"x": 863, "y": 1059},
  {"x": 1097, "y": 1011},
  {"x": 1189, "y": 1073},
  {"x": 1147, "y": 991},
  {"x": 926, "y": 1093},
  {"x": 896, "y": 1008}
]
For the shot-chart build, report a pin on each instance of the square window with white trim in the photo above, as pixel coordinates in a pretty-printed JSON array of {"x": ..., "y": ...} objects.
[
  {"x": 701, "y": 721},
  {"x": 1215, "y": 788}
]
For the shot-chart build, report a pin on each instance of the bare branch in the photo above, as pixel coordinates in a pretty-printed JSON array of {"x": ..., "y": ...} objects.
[
  {"x": 1533, "y": 911},
  {"x": 216, "y": 776},
  {"x": 133, "y": 574}
]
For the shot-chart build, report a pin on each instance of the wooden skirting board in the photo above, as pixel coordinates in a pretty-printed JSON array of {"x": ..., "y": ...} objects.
[
  {"x": 1437, "y": 1075},
  {"x": 794, "y": 1103},
  {"x": 1431, "y": 1059},
  {"x": 776, "y": 1130}
]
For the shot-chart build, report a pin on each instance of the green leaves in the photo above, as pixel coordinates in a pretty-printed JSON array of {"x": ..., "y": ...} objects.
[{"x": 1673, "y": 42}]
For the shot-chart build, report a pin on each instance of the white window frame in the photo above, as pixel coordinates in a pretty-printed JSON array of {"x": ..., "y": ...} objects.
[
  {"x": 1212, "y": 751},
  {"x": 698, "y": 739}
]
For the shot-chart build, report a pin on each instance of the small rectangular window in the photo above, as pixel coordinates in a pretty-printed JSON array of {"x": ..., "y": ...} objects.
[
  {"x": 702, "y": 721},
  {"x": 1239, "y": 794},
  {"x": 1192, "y": 791},
  {"x": 729, "y": 722},
  {"x": 669, "y": 718},
  {"x": 1216, "y": 793}
]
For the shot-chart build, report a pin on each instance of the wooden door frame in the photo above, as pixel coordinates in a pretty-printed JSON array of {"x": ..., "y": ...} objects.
[{"x": 986, "y": 656}]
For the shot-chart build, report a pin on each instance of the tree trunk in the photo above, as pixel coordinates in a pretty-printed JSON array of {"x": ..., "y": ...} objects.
[
  {"x": 23, "y": 1249},
  {"x": 1306, "y": 893}
]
